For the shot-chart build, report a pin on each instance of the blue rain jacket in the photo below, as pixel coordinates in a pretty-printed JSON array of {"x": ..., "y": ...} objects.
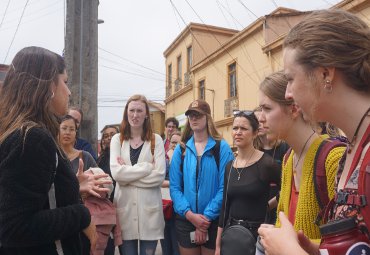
[{"x": 202, "y": 194}]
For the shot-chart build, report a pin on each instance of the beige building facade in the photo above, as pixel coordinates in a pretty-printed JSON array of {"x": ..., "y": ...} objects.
[{"x": 225, "y": 66}]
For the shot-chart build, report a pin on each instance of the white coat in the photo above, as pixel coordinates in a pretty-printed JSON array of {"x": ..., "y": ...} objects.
[{"x": 138, "y": 189}]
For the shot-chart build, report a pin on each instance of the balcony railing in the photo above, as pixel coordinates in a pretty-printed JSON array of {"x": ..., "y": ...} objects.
[
  {"x": 188, "y": 78},
  {"x": 168, "y": 91},
  {"x": 231, "y": 104},
  {"x": 178, "y": 84}
]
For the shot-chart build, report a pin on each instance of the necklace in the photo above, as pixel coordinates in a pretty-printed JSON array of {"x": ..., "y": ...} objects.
[
  {"x": 246, "y": 163},
  {"x": 300, "y": 155},
  {"x": 353, "y": 140},
  {"x": 136, "y": 143}
]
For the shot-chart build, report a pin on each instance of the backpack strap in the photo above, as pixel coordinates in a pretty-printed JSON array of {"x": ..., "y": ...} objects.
[
  {"x": 183, "y": 151},
  {"x": 364, "y": 182},
  {"x": 215, "y": 151},
  {"x": 320, "y": 180},
  {"x": 286, "y": 156},
  {"x": 152, "y": 144},
  {"x": 53, "y": 205}
]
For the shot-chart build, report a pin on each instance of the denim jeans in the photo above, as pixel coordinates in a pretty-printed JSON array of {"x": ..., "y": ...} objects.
[
  {"x": 130, "y": 247},
  {"x": 169, "y": 243}
]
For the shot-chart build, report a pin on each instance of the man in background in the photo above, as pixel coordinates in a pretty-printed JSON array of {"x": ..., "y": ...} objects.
[
  {"x": 81, "y": 144},
  {"x": 171, "y": 125}
]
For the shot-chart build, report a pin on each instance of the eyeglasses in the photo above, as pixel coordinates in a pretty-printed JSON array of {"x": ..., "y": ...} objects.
[
  {"x": 65, "y": 129},
  {"x": 243, "y": 113},
  {"x": 108, "y": 135},
  {"x": 195, "y": 115}
]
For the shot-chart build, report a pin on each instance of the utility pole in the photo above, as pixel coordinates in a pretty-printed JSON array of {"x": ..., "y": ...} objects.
[{"x": 81, "y": 56}]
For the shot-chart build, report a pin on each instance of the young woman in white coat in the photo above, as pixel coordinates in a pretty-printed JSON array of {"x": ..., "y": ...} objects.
[{"x": 138, "y": 174}]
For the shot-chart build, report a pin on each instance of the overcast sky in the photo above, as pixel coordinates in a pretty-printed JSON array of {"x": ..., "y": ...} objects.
[{"x": 136, "y": 32}]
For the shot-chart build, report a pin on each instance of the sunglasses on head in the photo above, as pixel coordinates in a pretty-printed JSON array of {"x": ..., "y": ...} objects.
[{"x": 243, "y": 112}]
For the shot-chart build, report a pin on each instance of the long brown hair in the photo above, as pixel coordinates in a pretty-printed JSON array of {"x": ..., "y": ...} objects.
[
  {"x": 26, "y": 93},
  {"x": 125, "y": 128},
  {"x": 333, "y": 38}
]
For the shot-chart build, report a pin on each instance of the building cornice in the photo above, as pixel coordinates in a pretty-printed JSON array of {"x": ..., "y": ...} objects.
[
  {"x": 178, "y": 93},
  {"x": 350, "y": 5},
  {"x": 197, "y": 27},
  {"x": 274, "y": 44},
  {"x": 224, "y": 122},
  {"x": 258, "y": 24}
]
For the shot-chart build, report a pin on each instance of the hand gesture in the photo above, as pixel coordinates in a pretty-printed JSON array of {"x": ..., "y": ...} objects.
[
  {"x": 271, "y": 238},
  {"x": 91, "y": 184}
]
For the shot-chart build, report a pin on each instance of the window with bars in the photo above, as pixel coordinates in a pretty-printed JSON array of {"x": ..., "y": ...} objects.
[
  {"x": 189, "y": 57},
  {"x": 169, "y": 80},
  {"x": 232, "y": 80},
  {"x": 179, "y": 67},
  {"x": 202, "y": 90}
]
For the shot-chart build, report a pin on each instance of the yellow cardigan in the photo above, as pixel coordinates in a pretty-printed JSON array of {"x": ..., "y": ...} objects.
[{"x": 307, "y": 205}]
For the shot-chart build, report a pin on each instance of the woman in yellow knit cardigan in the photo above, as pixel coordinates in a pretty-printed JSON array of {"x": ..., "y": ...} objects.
[{"x": 283, "y": 118}]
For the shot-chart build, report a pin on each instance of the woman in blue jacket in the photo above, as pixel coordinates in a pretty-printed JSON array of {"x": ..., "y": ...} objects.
[{"x": 197, "y": 180}]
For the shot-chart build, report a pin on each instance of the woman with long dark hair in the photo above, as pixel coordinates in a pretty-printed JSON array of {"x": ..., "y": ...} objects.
[
  {"x": 247, "y": 182},
  {"x": 40, "y": 209}
]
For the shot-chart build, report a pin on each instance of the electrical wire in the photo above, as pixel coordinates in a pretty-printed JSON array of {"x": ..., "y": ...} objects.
[
  {"x": 130, "y": 61},
  {"x": 15, "y": 33},
  {"x": 27, "y": 22},
  {"x": 127, "y": 72},
  {"x": 222, "y": 46},
  {"x": 6, "y": 9},
  {"x": 196, "y": 39}
]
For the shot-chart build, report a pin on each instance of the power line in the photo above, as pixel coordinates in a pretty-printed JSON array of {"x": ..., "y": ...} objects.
[
  {"x": 26, "y": 22},
  {"x": 139, "y": 71},
  {"x": 136, "y": 74},
  {"x": 6, "y": 9},
  {"x": 222, "y": 46},
  {"x": 6, "y": 56},
  {"x": 130, "y": 61},
  {"x": 34, "y": 12},
  {"x": 196, "y": 39}
]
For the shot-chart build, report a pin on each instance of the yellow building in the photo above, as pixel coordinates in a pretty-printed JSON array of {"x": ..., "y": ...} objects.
[{"x": 225, "y": 66}]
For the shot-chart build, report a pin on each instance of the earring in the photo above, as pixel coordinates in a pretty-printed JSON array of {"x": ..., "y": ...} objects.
[
  {"x": 52, "y": 94},
  {"x": 328, "y": 87}
]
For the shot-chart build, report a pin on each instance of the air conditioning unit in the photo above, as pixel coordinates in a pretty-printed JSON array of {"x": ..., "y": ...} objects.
[{"x": 230, "y": 105}]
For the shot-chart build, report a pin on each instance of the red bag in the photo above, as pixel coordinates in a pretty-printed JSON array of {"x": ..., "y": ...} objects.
[{"x": 167, "y": 208}]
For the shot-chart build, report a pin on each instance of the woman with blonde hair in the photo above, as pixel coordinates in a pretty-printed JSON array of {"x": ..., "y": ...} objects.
[
  {"x": 197, "y": 179},
  {"x": 137, "y": 162},
  {"x": 327, "y": 64},
  {"x": 298, "y": 196}
]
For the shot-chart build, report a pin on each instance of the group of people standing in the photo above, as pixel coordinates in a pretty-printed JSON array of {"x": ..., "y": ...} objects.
[{"x": 43, "y": 182}]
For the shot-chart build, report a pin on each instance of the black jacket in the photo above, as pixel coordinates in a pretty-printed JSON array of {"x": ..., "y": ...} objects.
[{"x": 27, "y": 170}]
